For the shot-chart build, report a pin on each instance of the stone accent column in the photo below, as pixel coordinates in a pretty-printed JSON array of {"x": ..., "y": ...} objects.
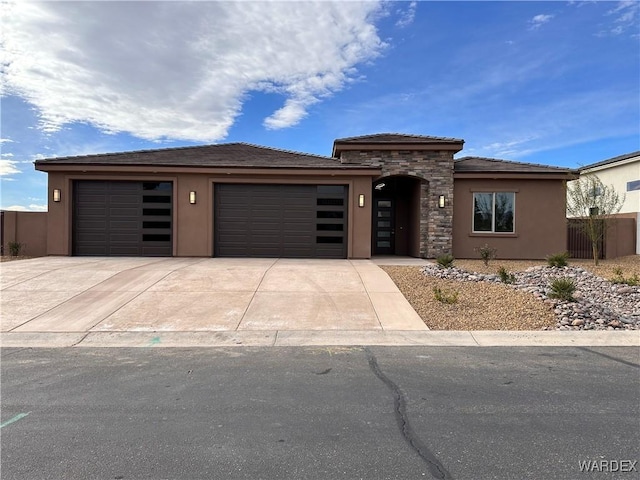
[{"x": 435, "y": 169}]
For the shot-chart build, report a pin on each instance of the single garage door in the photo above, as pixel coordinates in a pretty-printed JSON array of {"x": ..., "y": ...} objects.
[
  {"x": 122, "y": 218},
  {"x": 295, "y": 221}
]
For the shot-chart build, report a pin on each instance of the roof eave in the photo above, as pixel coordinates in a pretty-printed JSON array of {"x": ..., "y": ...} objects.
[
  {"x": 211, "y": 169},
  {"x": 595, "y": 167},
  {"x": 568, "y": 175}
]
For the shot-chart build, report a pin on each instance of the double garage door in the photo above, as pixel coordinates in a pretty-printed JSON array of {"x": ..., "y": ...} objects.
[{"x": 124, "y": 218}]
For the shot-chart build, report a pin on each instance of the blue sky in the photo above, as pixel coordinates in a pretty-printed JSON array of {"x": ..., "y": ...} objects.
[{"x": 547, "y": 82}]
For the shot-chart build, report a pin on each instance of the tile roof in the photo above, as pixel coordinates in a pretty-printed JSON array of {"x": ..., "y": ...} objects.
[
  {"x": 495, "y": 165},
  {"x": 397, "y": 138},
  {"x": 619, "y": 158},
  {"x": 220, "y": 155}
]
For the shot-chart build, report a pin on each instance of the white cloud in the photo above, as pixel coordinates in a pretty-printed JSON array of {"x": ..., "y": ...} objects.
[
  {"x": 625, "y": 13},
  {"x": 518, "y": 147},
  {"x": 292, "y": 112},
  {"x": 8, "y": 167},
  {"x": 5, "y": 140},
  {"x": 407, "y": 16},
  {"x": 539, "y": 20},
  {"x": 31, "y": 208},
  {"x": 180, "y": 70}
]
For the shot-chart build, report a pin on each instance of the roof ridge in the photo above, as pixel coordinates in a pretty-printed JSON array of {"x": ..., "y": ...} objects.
[{"x": 406, "y": 135}]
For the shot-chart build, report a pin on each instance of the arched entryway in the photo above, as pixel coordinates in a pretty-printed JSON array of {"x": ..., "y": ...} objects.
[{"x": 396, "y": 215}]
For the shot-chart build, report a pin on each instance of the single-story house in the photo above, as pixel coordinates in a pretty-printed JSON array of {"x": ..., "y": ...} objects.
[
  {"x": 382, "y": 194},
  {"x": 623, "y": 174}
]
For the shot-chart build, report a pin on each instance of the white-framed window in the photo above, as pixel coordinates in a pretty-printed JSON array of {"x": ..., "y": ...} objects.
[
  {"x": 494, "y": 212},
  {"x": 633, "y": 185}
]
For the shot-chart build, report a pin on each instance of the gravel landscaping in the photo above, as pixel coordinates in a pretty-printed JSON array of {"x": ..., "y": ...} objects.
[{"x": 485, "y": 303}]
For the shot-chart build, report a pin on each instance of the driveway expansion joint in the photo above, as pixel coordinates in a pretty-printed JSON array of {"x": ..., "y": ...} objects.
[
  {"x": 373, "y": 306},
  {"x": 253, "y": 296}
]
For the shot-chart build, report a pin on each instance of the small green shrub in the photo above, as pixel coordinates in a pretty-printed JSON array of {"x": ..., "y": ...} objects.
[
  {"x": 15, "y": 248},
  {"x": 562, "y": 289},
  {"x": 505, "y": 276},
  {"x": 558, "y": 259},
  {"x": 445, "y": 261},
  {"x": 487, "y": 253},
  {"x": 444, "y": 296},
  {"x": 632, "y": 281}
]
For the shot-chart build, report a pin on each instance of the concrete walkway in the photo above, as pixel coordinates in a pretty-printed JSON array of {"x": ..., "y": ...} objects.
[{"x": 120, "y": 302}]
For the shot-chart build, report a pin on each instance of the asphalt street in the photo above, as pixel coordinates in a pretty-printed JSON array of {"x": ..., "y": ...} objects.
[{"x": 320, "y": 413}]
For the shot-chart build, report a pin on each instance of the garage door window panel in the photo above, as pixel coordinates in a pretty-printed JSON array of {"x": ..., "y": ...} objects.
[{"x": 330, "y": 221}]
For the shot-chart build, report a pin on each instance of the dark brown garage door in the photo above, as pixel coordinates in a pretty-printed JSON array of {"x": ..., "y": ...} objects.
[
  {"x": 295, "y": 221},
  {"x": 122, "y": 218}
]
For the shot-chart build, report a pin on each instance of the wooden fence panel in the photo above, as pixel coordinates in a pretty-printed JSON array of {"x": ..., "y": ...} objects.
[{"x": 578, "y": 243}]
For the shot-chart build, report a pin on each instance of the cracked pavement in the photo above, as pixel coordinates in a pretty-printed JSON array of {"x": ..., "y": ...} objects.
[{"x": 318, "y": 412}]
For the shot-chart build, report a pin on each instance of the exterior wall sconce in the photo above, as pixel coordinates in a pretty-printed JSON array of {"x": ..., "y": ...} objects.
[
  {"x": 192, "y": 198},
  {"x": 442, "y": 201},
  {"x": 361, "y": 200},
  {"x": 57, "y": 195}
]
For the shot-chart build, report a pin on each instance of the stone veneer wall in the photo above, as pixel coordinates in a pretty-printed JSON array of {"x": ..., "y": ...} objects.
[{"x": 435, "y": 168}]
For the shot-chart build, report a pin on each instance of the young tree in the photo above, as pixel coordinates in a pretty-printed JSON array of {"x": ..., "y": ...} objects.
[{"x": 595, "y": 203}]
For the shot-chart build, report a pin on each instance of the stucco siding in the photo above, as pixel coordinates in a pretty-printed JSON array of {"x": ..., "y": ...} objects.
[
  {"x": 540, "y": 222},
  {"x": 619, "y": 176}
]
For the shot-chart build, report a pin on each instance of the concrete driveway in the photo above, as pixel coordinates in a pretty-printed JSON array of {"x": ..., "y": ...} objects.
[{"x": 102, "y": 294}]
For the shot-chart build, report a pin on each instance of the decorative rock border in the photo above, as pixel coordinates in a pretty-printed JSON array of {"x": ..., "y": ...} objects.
[{"x": 600, "y": 304}]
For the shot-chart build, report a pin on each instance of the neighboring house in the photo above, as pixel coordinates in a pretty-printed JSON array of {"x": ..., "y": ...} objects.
[
  {"x": 623, "y": 174},
  {"x": 384, "y": 194}
]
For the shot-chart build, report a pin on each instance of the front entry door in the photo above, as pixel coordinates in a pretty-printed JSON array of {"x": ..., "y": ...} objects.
[{"x": 383, "y": 227}]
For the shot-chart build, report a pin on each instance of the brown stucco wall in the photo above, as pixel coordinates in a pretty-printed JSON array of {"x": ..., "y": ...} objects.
[
  {"x": 360, "y": 218},
  {"x": 540, "y": 218},
  {"x": 27, "y": 228},
  {"x": 193, "y": 224},
  {"x": 59, "y": 217}
]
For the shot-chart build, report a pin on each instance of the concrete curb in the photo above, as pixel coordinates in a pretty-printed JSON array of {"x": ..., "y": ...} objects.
[{"x": 290, "y": 338}]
